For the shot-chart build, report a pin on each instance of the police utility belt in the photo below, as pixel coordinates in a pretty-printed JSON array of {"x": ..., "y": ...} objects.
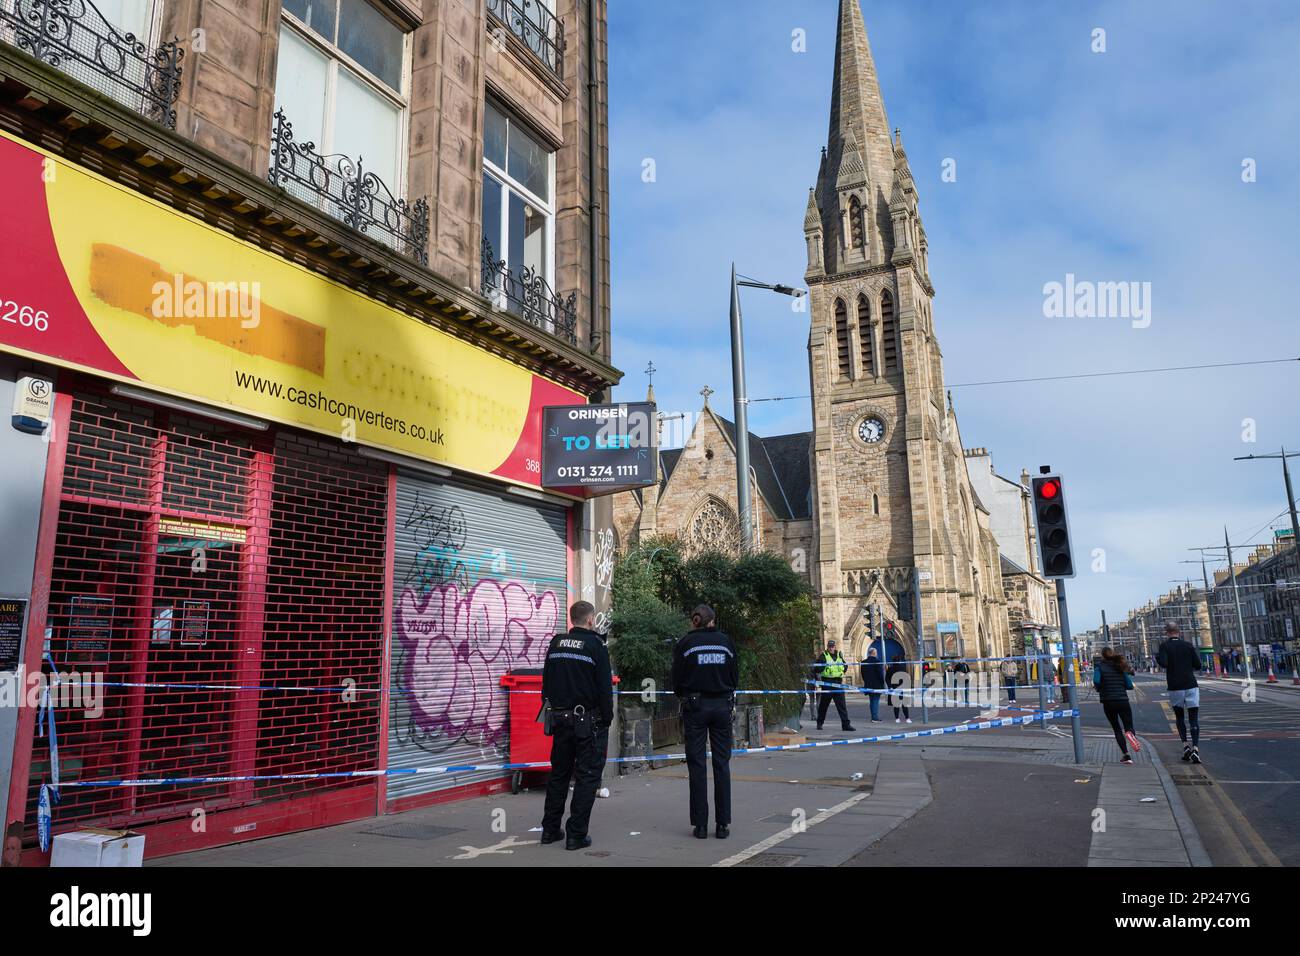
[
  {"x": 692, "y": 699},
  {"x": 584, "y": 722}
]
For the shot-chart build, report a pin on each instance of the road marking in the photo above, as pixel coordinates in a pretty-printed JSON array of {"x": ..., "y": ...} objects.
[{"x": 788, "y": 832}]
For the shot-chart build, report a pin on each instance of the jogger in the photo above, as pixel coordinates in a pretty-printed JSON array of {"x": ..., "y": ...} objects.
[
  {"x": 1181, "y": 662},
  {"x": 1113, "y": 678}
]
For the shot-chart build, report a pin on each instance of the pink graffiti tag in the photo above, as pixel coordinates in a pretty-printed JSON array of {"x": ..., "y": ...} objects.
[{"x": 456, "y": 647}]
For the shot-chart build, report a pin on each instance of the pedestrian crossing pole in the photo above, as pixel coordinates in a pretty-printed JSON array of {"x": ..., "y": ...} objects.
[{"x": 1067, "y": 652}]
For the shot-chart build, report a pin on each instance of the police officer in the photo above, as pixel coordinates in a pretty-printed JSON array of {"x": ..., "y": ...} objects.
[
  {"x": 577, "y": 691},
  {"x": 832, "y": 667},
  {"x": 705, "y": 676}
]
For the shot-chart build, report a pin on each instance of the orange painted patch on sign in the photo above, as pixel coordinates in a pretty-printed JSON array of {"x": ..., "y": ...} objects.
[{"x": 215, "y": 310}]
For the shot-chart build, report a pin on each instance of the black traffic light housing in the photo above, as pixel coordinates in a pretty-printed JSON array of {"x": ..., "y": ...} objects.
[{"x": 1053, "y": 527}]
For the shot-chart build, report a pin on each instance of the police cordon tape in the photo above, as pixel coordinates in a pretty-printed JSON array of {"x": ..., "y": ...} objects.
[
  {"x": 545, "y": 764},
  {"x": 1043, "y": 656}
]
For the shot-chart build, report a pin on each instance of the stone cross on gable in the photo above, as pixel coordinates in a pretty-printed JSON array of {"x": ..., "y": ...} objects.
[{"x": 706, "y": 392}]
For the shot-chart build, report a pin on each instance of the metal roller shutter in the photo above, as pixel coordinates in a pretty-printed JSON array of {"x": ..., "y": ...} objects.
[
  {"x": 216, "y": 581},
  {"x": 480, "y": 586}
]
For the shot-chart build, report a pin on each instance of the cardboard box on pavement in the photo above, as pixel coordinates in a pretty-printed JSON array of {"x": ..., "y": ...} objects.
[{"x": 94, "y": 847}]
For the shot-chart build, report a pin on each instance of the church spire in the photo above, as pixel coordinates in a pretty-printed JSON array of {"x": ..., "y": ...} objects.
[{"x": 857, "y": 108}]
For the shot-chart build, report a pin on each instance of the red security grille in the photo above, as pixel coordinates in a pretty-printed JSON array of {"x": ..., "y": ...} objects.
[{"x": 188, "y": 553}]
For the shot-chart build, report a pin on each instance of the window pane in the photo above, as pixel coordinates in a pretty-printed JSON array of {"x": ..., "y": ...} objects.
[
  {"x": 300, "y": 87},
  {"x": 372, "y": 40},
  {"x": 530, "y": 164},
  {"x": 492, "y": 216},
  {"x": 527, "y": 237},
  {"x": 318, "y": 15},
  {"x": 494, "y": 137},
  {"x": 366, "y": 127},
  {"x": 128, "y": 16}
]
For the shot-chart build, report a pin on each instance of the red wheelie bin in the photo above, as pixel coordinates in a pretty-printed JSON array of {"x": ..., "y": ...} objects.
[{"x": 528, "y": 744}]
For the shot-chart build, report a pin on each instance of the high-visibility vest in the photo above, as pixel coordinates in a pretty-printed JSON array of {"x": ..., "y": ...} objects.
[{"x": 834, "y": 668}]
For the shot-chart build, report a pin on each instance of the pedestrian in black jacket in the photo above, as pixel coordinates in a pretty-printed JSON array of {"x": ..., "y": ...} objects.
[
  {"x": 706, "y": 674},
  {"x": 1181, "y": 662},
  {"x": 1113, "y": 678},
  {"x": 899, "y": 679},
  {"x": 873, "y": 680},
  {"x": 578, "y": 689}
]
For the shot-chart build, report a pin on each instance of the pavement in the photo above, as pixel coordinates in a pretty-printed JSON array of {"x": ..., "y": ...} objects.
[{"x": 983, "y": 797}]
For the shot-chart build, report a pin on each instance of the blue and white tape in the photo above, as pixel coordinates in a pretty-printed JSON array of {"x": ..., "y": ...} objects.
[{"x": 545, "y": 764}]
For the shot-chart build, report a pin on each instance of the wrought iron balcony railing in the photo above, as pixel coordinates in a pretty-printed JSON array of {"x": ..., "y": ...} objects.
[
  {"x": 540, "y": 29},
  {"x": 528, "y": 295},
  {"x": 74, "y": 37},
  {"x": 341, "y": 186}
]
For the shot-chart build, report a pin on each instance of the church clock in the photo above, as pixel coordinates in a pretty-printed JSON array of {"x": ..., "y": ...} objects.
[{"x": 871, "y": 430}]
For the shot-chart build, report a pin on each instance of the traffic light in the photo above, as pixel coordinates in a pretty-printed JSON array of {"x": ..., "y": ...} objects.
[
  {"x": 874, "y": 617},
  {"x": 1053, "y": 527}
]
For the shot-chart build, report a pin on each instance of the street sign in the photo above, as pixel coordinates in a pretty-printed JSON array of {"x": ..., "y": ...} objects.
[{"x": 610, "y": 447}]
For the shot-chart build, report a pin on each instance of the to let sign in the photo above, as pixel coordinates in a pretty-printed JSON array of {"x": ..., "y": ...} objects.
[{"x": 599, "y": 446}]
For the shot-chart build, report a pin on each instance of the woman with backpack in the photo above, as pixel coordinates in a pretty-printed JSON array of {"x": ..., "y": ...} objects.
[{"x": 1112, "y": 676}]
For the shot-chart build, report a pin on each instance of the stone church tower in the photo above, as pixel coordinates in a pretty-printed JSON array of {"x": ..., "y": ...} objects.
[{"x": 890, "y": 488}]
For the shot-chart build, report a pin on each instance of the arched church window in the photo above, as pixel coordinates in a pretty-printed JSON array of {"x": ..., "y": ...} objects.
[
  {"x": 888, "y": 333},
  {"x": 713, "y": 528},
  {"x": 857, "y": 224},
  {"x": 875, "y": 504},
  {"x": 842, "y": 339},
  {"x": 866, "y": 336}
]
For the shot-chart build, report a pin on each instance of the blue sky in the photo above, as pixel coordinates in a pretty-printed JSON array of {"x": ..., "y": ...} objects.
[{"x": 1117, "y": 166}]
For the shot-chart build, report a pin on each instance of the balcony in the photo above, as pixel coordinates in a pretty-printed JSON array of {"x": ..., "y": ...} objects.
[
  {"x": 340, "y": 186},
  {"x": 533, "y": 23},
  {"x": 74, "y": 37},
  {"x": 528, "y": 296}
]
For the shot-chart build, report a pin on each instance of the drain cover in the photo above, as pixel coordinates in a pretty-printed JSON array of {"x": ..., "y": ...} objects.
[
  {"x": 1190, "y": 780},
  {"x": 412, "y": 831},
  {"x": 771, "y": 859}
]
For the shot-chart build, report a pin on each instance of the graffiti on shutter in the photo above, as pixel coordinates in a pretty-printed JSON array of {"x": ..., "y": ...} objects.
[{"x": 480, "y": 587}]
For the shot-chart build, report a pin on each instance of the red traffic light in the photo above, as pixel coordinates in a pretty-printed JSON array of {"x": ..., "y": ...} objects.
[{"x": 1049, "y": 489}]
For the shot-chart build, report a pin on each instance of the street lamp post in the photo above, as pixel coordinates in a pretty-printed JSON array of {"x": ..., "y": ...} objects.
[{"x": 744, "y": 501}]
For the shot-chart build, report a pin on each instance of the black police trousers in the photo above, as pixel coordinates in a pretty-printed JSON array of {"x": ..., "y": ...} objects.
[
  {"x": 572, "y": 757},
  {"x": 824, "y": 704},
  {"x": 707, "y": 723}
]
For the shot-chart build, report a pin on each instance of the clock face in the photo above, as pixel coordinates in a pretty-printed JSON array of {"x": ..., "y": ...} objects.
[{"x": 871, "y": 430}]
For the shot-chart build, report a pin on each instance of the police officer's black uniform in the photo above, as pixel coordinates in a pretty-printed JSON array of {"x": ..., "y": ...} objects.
[
  {"x": 576, "y": 685},
  {"x": 705, "y": 676}
]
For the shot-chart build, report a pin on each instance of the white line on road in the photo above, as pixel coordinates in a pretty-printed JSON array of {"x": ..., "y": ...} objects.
[{"x": 788, "y": 832}]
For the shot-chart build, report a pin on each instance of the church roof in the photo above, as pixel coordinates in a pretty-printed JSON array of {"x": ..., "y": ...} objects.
[
  {"x": 668, "y": 458},
  {"x": 1010, "y": 567},
  {"x": 781, "y": 469}
]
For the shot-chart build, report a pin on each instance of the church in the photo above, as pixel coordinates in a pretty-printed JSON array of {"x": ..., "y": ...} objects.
[{"x": 874, "y": 505}]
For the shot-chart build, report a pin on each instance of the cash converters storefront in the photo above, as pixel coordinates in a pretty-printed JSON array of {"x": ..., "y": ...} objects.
[{"x": 291, "y": 532}]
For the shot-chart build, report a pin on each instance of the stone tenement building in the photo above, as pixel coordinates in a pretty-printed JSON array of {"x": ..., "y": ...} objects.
[
  {"x": 888, "y": 490},
  {"x": 1032, "y": 613},
  {"x": 380, "y": 230}
]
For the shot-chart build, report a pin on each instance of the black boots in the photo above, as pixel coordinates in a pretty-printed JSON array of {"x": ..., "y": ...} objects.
[
  {"x": 723, "y": 832},
  {"x": 577, "y": 843},
  {"x": 701, "y": 833}
]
